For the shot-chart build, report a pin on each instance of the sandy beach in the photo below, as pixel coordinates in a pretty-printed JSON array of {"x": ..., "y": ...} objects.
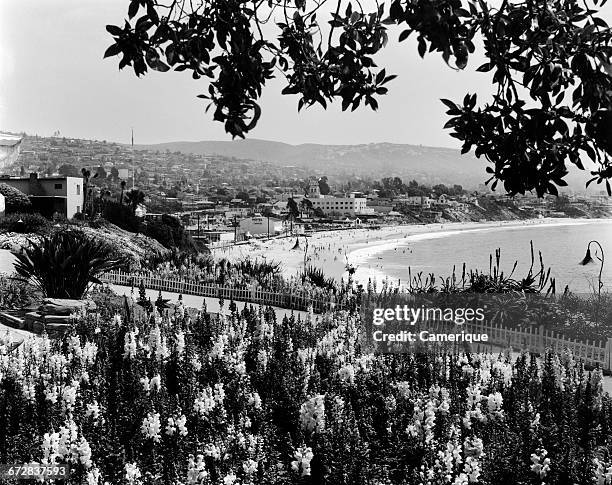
[{"x": 333, "y": 250}]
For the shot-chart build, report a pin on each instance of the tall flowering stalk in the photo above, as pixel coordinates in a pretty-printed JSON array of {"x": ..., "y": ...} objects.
[{"x": 247, "y": 399}]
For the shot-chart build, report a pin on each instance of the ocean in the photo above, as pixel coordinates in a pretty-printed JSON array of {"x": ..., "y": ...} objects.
[{"x": 563, "y": 245}]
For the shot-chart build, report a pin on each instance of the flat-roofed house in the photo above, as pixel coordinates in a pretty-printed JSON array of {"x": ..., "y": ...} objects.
[
  {"x": 50, "y": 195},
  {"x": 343, "y": 206},
  {"x": 258, "y": 225}
]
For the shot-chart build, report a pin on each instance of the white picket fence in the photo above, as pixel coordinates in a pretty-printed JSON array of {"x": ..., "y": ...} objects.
[
  {"x": 537, "y": 339},
  {"x": 293, "y": 301},
  {"x": 534, "y": 339}
]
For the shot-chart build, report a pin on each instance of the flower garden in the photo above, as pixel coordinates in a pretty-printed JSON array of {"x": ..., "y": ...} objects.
[
  {"x": 244, "y": 399},
  {"x": 140, "y": 393}
]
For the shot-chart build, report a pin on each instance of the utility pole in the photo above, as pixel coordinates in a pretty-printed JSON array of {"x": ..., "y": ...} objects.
[
  {"x": 268, "y": 226},
  {"x": 235, "y": 230},
  {"x": 198, "y": 225}
]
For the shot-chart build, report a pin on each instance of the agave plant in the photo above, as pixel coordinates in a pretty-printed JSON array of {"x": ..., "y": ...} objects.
[
  {"x": 317, "y": 277},
  {"x": 262, "y": 271},
  {"x": 64, "y": 264}
]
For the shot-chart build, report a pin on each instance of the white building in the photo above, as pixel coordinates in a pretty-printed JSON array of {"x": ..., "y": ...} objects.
[
  {"x": 416, "y": 201},
  {"x": 50, "y": 195},
  {"x": 258, "y": 225},
  {"x": 141, "y": 210},
  {"x": 341, "y": 206},
  {"x": 2, "y": 205},
  {"x": 212, "y": 236}
]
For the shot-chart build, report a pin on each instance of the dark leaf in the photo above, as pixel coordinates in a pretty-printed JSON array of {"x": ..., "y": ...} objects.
[
  {"x": 133, "y": 8},
  {"x": 404, "y": 35},
  {"x": 449, "y": 103},
  {"x": 113, "y": 50},
  {"x": 114, "y": 30},
  {"x": 422, "y": 48},
  {"x": 486, "y": 67}
]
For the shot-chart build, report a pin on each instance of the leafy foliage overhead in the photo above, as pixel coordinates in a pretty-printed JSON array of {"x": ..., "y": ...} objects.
[{"x": 549, "y": 60}]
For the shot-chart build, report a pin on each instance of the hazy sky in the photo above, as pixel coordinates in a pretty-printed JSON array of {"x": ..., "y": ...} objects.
[{"x": 53, "y": 77}]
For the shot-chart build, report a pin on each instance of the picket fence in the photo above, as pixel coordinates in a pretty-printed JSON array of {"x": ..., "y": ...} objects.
[
  {"x": 299, "y": 300},
  {"x": 537, "y": 339},
  {"x": 534, "y": 339}
]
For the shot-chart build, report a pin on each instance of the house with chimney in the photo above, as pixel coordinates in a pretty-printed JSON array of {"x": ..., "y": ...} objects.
[{"x": 50, "y": 195}]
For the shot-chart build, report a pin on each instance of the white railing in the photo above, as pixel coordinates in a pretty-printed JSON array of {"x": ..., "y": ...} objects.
[
  {"x": 537, "y": 339},
  {"x": 534, "y": 339},
  {"x": 299, "y": 300}
]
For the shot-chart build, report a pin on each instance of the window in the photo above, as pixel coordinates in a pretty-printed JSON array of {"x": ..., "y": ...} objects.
[
  {"x": 58, "y": 186},
  {"x": 78, "y": 208},
  {"x": 78, "y": 189}
]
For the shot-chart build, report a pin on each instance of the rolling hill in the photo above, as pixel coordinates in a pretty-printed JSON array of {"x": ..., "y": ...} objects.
[{"x": 425, "y": 164}]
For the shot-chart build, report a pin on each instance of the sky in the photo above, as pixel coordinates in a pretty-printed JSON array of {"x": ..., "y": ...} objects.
[{"x": 53, "y": 77}]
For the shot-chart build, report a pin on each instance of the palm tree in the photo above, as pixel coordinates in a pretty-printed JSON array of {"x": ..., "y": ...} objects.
[
  {"x": 134, "y": 198},
  {"x": 122, "y": 189},
  {"x": 102, "y": 200},
  {"x": 294, "y": 212},
  {"x": 86, "y": 192},
  {"x": 306, "y": 206}
]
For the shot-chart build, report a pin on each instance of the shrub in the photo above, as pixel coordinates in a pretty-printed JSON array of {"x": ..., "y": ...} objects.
[
  {"x": 262, "y": 271},
  {"x": 25, "y": 223},
  {"x": 169, "y": 232},
  {"x": 64, "y": 264},
  {"x": 160, "y": 232},
  {"x": 16, "y": 200},
  {"x": 122, "y": 216},
  {"x": 14, "y": 293},
  {"x": 317, "y": 277}
]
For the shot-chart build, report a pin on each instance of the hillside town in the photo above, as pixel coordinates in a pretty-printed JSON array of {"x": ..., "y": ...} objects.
[{"x": 220, "y": 200}]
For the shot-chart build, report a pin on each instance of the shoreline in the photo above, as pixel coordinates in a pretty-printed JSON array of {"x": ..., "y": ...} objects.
[
  {"x": 332, "y": 250},
  {"x": 364, "y": 255}
]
